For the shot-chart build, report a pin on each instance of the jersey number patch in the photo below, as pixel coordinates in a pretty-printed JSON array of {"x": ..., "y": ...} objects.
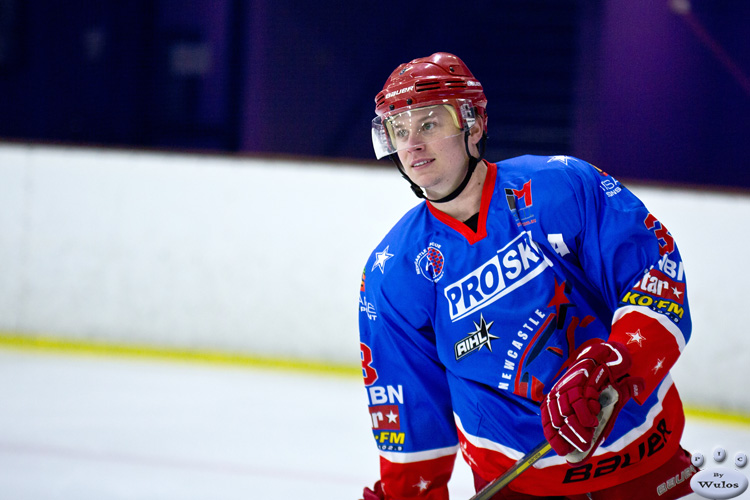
[
  {"x": 368, "y": 372},
  {"x": 662, "y": 234}
]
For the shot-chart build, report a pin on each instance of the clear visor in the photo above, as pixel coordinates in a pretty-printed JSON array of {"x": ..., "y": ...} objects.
[{"x": 420, "y": 125}]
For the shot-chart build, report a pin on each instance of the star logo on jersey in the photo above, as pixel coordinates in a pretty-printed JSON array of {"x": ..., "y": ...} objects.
[
  {"x": 423, "y": 484},
  {"x": 659, "y": 365},
  {"x": 561, "y": 158},
  {"x": 380, "y": 258},
  {"x": 560, "y": 301},
  {"x": 392, "y": 417},
  {"x": 476, "y": 340},
  {"x": 636, "y": 338}
]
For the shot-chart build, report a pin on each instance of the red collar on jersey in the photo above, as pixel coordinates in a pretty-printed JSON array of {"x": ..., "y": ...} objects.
[{"x": 484, "y": 207}]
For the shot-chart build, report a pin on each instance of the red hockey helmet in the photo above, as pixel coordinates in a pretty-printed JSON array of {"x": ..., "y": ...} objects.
[{"x": 441, "y": 79}]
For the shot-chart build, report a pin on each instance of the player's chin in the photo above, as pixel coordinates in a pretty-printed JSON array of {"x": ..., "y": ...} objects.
[
  {"x": 435, "y": 194},
  {"x": 425, "y": 180}
]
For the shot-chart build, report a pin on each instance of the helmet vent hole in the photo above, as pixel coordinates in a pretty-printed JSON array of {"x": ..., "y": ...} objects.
[
  {"x": 423, "y": 86},
  {"x": 455, "y": 84}
]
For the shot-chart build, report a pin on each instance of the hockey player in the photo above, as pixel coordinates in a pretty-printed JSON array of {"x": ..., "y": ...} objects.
[{"x": 495, "y": 313}]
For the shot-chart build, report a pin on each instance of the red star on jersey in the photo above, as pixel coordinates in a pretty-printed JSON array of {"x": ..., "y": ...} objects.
[{"x": 560, "y": 301}]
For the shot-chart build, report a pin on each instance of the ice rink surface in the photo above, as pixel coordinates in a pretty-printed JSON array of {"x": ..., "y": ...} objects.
[{"x": 74, "y": 427}]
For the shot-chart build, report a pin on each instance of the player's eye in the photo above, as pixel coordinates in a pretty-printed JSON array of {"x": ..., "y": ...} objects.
[
  {"x": 402, "y": 133},
  {"x": 429, "y": 126}
]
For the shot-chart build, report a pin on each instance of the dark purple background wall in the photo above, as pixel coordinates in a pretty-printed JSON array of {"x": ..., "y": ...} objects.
[
  {"x": 631, "y": 86},
  {"x": 659, "y": 99}
]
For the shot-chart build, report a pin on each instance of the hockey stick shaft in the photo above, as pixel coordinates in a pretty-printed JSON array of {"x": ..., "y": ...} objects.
[
  {"x": 524, "y": 463},
  {"x": 607, "y": 399}
]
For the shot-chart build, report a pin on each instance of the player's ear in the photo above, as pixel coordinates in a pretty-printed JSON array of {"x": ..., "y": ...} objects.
[{"x": 476, "y": 132}]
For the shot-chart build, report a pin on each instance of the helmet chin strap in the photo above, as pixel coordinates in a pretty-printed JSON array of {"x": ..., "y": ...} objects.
[{"x": 473, "y": 162}]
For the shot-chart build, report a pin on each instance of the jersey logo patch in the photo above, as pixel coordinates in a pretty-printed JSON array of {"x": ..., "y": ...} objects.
[
  {"x": 430, "y": 262},
  {"x": 385, "y": 417},
  {"x": 515, "y": 265},
  {"x": 658, "y": 284},
  {"x": 476, "y": 340},
  {"x": 520, "y": 202}
]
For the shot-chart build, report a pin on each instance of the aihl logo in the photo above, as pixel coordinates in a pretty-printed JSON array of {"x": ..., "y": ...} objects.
[{"x": 475, "y": 341}]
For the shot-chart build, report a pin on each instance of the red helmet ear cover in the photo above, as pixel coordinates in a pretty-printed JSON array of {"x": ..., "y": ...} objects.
[{"x": 441, "y": 76}]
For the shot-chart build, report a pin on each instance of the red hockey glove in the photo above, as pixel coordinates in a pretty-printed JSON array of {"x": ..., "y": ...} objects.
[
  {"x": 374, "y": 494},
  {"x": 571, "y": 411}
]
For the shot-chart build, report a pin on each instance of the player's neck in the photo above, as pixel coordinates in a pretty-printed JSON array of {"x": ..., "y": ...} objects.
[{"x": 468, "y": 202}]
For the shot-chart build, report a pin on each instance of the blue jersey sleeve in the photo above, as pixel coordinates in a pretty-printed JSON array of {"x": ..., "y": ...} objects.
[
  {"x": 628, "y": 254},
  {"x": 409, "y": 400}
]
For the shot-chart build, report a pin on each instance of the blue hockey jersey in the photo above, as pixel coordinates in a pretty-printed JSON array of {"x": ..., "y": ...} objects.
[{"x": 463, "y": 332}]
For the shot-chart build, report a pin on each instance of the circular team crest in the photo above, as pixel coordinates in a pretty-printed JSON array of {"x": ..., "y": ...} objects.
[{"x": 430, "y": 263}]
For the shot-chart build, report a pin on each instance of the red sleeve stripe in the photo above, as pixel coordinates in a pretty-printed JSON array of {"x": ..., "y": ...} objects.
[
  {"x": 427, "y": 479},
  {"x": 660, "y": 318}
]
